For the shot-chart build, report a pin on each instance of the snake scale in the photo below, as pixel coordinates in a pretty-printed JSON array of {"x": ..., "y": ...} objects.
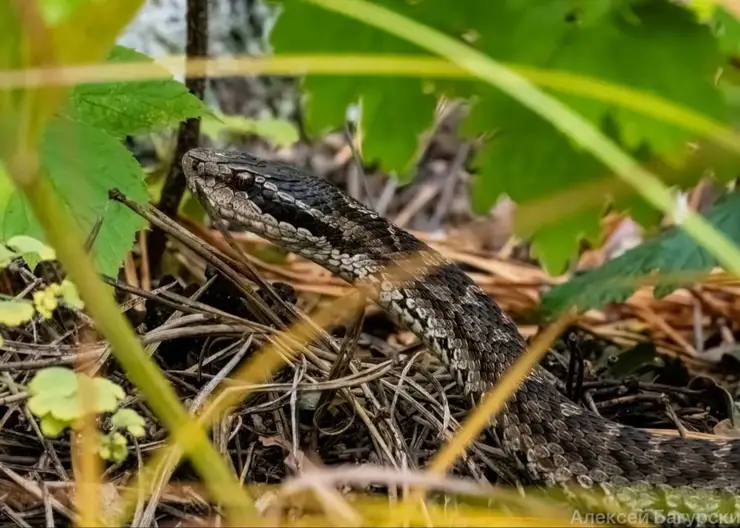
[{"x": 560, "y": 444}]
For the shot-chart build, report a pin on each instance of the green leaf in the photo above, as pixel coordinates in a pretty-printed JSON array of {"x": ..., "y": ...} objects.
[
  {"x": 68, "y": 408},
  {"x": 113, "y": 447},
  {"x": 531, "y": 160},
  {"x": 395, "y": 111},
  {"x": 68, "y": 292},
  {"x": 26, "y": 244},
  {"x": 108, "y": 395},
  {"x": 674, "y": 254},
  {"x": 64, "y": 408},
  {"x": 83, "y": 164},
  {"x": 279, "y": 132},
  {"x": 727, "y": 29},
  {"x": 55, "y": 398},
  {"x": 54, "y": 391},
  {"x": 651, "y": 45},
  {"x": 14, "y": 313},
  {"x": 6, "y": 256},
  {"x": 52, "y": 427},
  {"x": 33, "y": 251},
  {"x": 57, "y": 381},
  {"x": 128, "y": 108},
  {"x": 42, "y": 404},
  {"x": 130, "y": 420},
  {"x": 556, "y": 243}
]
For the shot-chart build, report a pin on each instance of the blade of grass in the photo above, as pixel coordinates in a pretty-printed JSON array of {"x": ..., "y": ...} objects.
[
  {"x": 63, "y": 235},
  {"x": 259, "y": 368},
  {"x": 87, "y": 477},
  {"x": 561, "y": 116},
  {"x": 22, "y": 165},
  {"x": 625, "y": 97},
  {"x": 90, "y": 32},
  {"x": 370, "y": 64}
]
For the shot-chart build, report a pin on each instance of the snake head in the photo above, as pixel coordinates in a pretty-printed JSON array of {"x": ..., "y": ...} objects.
[
  {"x": 271, "y": 199},
  {"x": 206, "y": 167}
]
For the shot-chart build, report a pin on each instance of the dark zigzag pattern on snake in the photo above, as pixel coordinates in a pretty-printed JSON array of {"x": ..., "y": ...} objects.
[{"x": 559, "y": 442}]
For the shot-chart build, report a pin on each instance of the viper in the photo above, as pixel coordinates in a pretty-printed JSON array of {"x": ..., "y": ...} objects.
[{"x": 559, "y": 443}]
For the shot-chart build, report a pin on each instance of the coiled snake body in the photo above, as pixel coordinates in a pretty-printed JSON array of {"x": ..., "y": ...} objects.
[{"x": 559, "y": 442}]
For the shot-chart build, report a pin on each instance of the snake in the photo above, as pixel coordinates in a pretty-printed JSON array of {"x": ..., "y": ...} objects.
[{"x": 556, "y": 442}]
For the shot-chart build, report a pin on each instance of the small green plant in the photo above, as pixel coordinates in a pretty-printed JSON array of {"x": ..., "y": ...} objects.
[
  {"x": 55, "y": 391},
  {"x": 83, "y": 153},
  {"x": 62, "y": 150},
  {"x": 56, "y": 401},
  {"x": 14, "y": 312}
]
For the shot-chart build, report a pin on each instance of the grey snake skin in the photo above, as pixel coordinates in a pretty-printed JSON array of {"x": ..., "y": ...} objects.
[{"x": 562, "y": 445}]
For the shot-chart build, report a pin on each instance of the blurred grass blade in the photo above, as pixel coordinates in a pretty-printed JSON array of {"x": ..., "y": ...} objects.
[
  {"x": 91, "y": 31},
  {"x": 369, "y": 64},
  {"x": 21, "y": 161},
  {"x": 259, "y": 368}
]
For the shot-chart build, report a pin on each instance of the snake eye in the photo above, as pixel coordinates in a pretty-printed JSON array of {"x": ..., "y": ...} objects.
[{"x": 244, "y": 180}]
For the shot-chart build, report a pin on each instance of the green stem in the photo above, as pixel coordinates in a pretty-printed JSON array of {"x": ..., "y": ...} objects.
[
  {"x": 86, "y": 37},
  {"x": 64, "y": 236}
]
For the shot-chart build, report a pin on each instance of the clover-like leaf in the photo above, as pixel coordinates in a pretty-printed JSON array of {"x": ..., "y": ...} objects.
[
  {"x": 57, "y": 381},
  {"x": 56, "y": 397},
  {"x": 68, "y": 408},
  {"x": 68, "y": 291},
  {"x": 113, "y": 447},
  {"x": 52, "y": 427},
  {"x": 14, "y": 313},
  {"x": 42, "y": 404},
  {"x": 130, "y": 420},
  {"x": 108, "y": 395},
  {"x": 63, "y": 408}
]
